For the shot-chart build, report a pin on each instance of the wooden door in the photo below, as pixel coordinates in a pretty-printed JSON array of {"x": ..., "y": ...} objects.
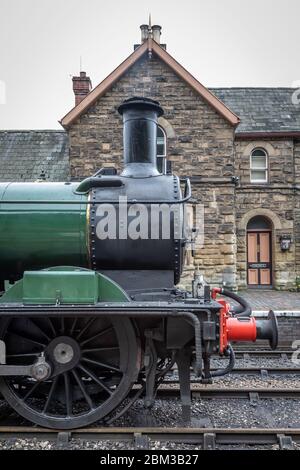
[{"x": 259, "y": 262}]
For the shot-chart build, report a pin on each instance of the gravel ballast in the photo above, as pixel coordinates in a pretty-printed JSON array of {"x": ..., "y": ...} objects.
[{"x": 209, "y": 413}]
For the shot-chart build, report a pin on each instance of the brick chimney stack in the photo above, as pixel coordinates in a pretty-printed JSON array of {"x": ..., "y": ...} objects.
[{"x": 82, "y": 85}]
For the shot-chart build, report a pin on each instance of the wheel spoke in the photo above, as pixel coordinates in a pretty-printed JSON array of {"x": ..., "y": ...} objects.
[
  {"x": 95, "y": 378},
  {"x": 88, "y": 324},
  {"x": 83, "y": 390},
  {"x": 51, "y": 327},
  {"x": 40, "y": 329},
  {"x": 26, "y": 338},
  {"x": 69, "y": 401},
  {"x": 101, "y": 364},
  {"x": 33, "y": 388},
  {"x": 22, "y": 355},
  {"x": 62, "y": 325},
  {"x": 50, "y": 395},
  {"x": 108, "y": 348},
  {"x": 98, "y": 335},
  {"x": 73, "y": 326}
]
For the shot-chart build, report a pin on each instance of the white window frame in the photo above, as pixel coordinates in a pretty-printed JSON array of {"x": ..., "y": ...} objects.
[
  {"x": 164, "y": 156},
  {"x": 254, "y": 168}
]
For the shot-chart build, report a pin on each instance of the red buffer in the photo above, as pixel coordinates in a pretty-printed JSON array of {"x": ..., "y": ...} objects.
[{"x": 246, "y": 328}]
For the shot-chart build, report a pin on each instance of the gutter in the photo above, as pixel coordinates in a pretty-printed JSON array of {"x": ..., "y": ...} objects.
[{"x": 266, "y": 135}]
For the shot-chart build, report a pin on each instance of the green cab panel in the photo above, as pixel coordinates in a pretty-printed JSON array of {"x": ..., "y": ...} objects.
[
  {"x": 41, "y": 225},
  {"x": 64, "y": 285}
]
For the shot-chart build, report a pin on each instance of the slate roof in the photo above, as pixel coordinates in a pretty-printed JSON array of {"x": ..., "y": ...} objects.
[
  {"x": 262, "y": 109},
  {"x": 148, "y": 47},
  {"x": 25, "y": 154}
]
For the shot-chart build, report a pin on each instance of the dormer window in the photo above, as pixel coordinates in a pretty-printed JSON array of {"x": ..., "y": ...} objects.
[{"x": 259, "y": 166}]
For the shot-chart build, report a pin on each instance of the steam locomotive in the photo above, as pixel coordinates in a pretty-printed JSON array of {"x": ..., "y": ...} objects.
[{"x": 91, "y": 317}]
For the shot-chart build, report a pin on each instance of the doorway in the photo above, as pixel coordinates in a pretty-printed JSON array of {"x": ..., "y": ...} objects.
[{"x": 259, "y": 252}]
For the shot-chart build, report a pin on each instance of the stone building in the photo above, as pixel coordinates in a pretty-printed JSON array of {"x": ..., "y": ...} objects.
[{"x": 239, "y": 146}]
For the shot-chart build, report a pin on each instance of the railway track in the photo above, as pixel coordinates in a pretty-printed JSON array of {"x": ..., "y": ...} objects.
[
  {"x": 208, "y": 392},
  {"x": 171, "y": 391},
  {"x": 264, "y": 372},
  {"x": 207, "y": 438},
  {"x": 141, "y": 438},
  {"x": 252, "y": 353}
]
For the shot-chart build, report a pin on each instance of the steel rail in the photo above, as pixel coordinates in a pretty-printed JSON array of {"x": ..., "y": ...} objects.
[
  {"x": 199, "y": 391},
  {"x": 247, "y": 354},
  {"x": 141, "y": 437},
  {"x": 171, "y": 390},
  {"x": 262, "y": 371}
]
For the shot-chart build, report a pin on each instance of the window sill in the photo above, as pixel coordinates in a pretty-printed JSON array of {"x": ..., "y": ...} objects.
[{"x": 259, "y": 182}]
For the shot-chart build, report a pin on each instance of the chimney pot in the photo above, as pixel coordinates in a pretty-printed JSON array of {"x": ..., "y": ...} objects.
[
  {"x": 156, "y": 32},
  {"x": 144, "y": 32},
  {"x": 82, "y": 85}
]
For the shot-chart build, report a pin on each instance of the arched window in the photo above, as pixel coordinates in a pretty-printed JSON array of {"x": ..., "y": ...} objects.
[
  {"x": 161, "y": 150},
  {"x": 259, "y": 222},
  {"x": 259, "y": 166}
]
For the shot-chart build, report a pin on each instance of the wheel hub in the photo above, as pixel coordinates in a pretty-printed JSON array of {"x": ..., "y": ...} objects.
[{"x": 64, "y": 354}]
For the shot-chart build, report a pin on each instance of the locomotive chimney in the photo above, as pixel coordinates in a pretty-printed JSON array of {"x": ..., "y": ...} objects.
[{"x": 139, "y": 136}]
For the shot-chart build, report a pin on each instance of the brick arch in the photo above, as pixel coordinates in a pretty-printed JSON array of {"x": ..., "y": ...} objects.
[
  {"x": 271, "y": 151},
  {"x": 265, "y": 213},
  {"x": 167, "y": 127}
]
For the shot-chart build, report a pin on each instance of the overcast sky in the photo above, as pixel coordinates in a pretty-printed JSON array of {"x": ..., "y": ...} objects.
[{"x": 221, "y": 42}]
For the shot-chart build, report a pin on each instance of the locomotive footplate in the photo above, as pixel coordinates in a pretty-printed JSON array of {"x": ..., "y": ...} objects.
[{"x": 115, "y": 308}]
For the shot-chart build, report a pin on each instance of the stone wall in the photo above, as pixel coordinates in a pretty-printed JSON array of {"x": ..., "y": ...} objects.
[
  {"x": 217, "y": 258},
  {"x": 297, "y": 161},
  {"x": 200, "y": 142},
  {"x": 288, "y": 329},
  {"x": 96, "y": 137},
  {"x": 274, "y": 200},
  {"x": 281, "y": 160},
  {"x": 297, "y": 208}
]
